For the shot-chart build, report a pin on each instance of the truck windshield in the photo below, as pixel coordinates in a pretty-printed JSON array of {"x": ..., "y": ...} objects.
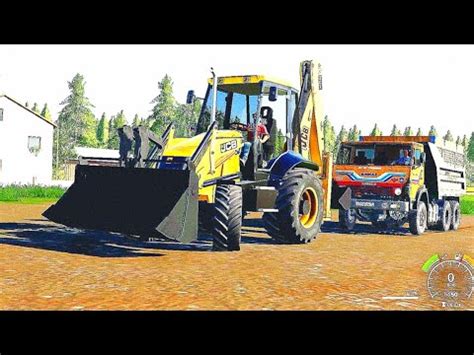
[{"x": 375, "y": 154}]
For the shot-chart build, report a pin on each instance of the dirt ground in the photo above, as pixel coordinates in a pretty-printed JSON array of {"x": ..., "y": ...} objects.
[{"x": 47, "y": 266}]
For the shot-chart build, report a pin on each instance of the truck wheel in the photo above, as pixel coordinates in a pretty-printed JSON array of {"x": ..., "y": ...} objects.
[
  {"x": 456, "y": 215},
  {"x": 300, "y": 208},
  {"x": 417, "y": 219},
  {"x": 227, "y": 220},
  {"x": 347, "y": 219},
  {"x": 444, "y": 222}
]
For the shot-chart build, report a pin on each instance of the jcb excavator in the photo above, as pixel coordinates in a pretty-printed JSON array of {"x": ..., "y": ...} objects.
[{"x": 172, "y": 187}]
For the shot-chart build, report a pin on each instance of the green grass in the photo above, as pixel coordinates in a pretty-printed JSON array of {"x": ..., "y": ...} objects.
[
  {"x": 467, "y": 204},
  {"x": 30, "y": 194}
]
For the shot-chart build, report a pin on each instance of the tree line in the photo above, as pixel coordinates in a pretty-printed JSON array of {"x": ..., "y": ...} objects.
[{"x": 78, "y": 126}]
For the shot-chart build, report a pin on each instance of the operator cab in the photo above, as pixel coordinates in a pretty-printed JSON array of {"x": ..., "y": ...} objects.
[
  {"x": 380, "y": 154},
  {"x": 247, "y": 102}
]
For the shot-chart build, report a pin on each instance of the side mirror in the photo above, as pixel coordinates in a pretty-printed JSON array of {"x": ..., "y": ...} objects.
[
  {"x": 273, "y": 94},
  {"x": 423, "y": 158},
  {"x": 190, "y": 97}
]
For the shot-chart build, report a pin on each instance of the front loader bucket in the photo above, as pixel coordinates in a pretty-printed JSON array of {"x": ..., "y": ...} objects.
[{"x": 145, "y": 202}]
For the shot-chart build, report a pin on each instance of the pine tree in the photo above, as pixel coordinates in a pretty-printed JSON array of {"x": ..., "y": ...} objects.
[
  {"x": 465, "y": 142},
  {"x": 433, "y": 132},
  {"x": 329, "y": 136},
  {"x": 342, "y": 136},
  {"x": 164, "y": 110},
  {"x": 136, "y": 121},
  {"x": 103, "y": 131},
  {"x": 419, "y": 133},
  {"x": 353, "y": 134},
  {"x": 448, "y": 137},
  {"x": 279, "y": 143},
  {"x": 27, "y": 105},
  {"x": 118, "y": 122},
  {"x": 45, "y": 112},
  {"x": 376, "y": 131},
  {"x": 35, "y": 108},
  {"x": 470, "y": 149},
  {"x": 408, "y": 131},
  {"x": 458, "y": 141},
  {"x": 395, "y": 131},
  {"x": 75, "y": 122}
]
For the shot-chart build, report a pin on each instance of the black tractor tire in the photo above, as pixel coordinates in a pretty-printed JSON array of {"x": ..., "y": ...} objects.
[
  {"x": 300, "y": 208},
  {"x": 444, "y": 222},
  {"x": 455, "y": 215},
  {"x": 227, "y": 220},
  {"x": 418, "y": 218},
  {"x": 347, "y": 219}
]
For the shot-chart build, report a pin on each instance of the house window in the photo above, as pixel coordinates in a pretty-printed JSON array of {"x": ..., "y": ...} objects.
[
  {"x": 1, "y": 114},
  {"x": 34, "y": 144}
]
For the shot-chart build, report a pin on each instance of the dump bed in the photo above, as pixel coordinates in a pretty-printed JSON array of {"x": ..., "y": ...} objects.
[{"x": 445, "y": 173}]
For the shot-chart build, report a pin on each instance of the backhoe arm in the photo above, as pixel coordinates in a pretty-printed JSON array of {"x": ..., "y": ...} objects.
[{"x": 307, "y": 130}]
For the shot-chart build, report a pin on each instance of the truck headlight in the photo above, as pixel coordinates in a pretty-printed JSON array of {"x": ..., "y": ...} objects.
[{"x": 398, "y": 191}]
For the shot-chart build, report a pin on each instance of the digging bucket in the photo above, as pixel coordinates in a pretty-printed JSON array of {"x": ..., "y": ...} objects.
[{"x": 144, "y": 202}]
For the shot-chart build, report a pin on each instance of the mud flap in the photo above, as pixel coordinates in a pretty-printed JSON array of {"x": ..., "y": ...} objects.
[{"x": 145, "y": 202}]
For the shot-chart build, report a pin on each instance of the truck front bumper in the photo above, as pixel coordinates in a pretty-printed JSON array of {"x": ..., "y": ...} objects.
[{"x": 362, "y": 204}]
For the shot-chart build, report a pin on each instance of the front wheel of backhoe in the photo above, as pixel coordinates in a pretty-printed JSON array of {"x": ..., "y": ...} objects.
[
  {"x": 300, "y": 206},
  {"x": 227, "y": 218}
]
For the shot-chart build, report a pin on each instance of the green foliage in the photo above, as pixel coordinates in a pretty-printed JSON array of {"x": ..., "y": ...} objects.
[
  {"x": 279, "y": 143},
  {"x": 470, "y": 148},
  {"x": 21, "y": 193},
  {"x": 116, "y": 122},
  {"x": 376, "y": 131},
  {"x": 395, "y": 131},
  {"x": 102, "y": 134},
  {"x": 342, "y": 136},
  {"x": 136, "y": 121},
  {"x": 329, "y": 136},
  {"x": 408, "y": 131},
  {"x": 45, "y": 112},
  {"x": 448, "y": 137},
  {"x": 353, "y": 134},
  {"x": 164, "y": 110},
  {"x": 467, "y": 204},
  {"x": 76, "y": 122},
  {"x": 433, "y": 132}
]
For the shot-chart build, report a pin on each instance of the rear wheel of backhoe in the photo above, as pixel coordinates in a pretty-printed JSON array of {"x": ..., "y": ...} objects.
[
  {"x": 227, "y": 220},
  {"x": 300, "y": 206}
]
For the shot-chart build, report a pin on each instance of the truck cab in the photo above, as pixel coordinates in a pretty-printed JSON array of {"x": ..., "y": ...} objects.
[{"x": 385, "y": 180}]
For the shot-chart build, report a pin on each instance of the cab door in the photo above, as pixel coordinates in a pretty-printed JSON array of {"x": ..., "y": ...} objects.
[{"x": 417, "y": 175}]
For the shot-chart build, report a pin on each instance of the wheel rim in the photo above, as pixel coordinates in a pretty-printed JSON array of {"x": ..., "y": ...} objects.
[
  {"x": 309, "y": 208},
  {"x": 422, "y": 219}
]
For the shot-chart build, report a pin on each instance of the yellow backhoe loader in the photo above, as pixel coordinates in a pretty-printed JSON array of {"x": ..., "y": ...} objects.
[{"x": 165, "y": 186}]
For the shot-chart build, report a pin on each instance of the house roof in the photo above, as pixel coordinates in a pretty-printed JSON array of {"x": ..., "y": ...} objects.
[{"x": 27, "y": 109}]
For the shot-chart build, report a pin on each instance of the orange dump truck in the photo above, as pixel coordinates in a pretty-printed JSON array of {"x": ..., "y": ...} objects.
[{"x": 393, "y": 180}]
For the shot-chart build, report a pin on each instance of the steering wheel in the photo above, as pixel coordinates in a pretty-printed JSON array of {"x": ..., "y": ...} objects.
[{"x": 238, "y": 126}]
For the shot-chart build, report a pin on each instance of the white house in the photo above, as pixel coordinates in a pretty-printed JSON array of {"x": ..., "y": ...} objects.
[{"x": 26, "y": 144}]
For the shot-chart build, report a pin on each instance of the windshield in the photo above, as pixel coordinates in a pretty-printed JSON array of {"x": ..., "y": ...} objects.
[
  {"x": 231, "y": 107},
  {"x": 375, "y": 154}
]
